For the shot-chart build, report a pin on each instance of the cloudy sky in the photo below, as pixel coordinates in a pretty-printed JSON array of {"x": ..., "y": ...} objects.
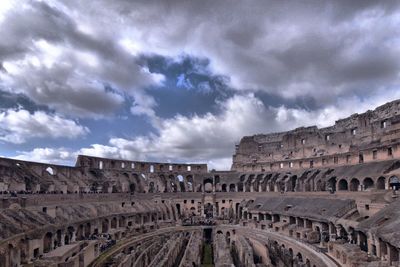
[{"x": 183, "y": 81}]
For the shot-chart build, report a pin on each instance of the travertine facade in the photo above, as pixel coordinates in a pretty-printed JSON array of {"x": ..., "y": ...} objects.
[
  {"x": 368, "y": 137},
  {"x": 308, "y": 197}
]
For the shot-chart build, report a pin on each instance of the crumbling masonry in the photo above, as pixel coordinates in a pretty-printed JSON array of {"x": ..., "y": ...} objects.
[{"x": 307, "y": 197}]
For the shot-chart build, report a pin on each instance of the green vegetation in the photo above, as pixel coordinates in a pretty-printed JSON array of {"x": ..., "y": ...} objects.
[{"x": 207, "y": 260}]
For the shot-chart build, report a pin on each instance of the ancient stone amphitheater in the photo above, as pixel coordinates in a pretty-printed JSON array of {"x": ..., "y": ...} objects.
[{"x": 307, "y": 197}]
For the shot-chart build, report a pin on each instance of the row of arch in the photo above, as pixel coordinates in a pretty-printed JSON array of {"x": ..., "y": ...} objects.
[
  {"x": 18, "y": 253},
  {"x": 287, "y": 183}
]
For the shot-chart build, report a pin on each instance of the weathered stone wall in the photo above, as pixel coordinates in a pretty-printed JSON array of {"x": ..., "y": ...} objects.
[{"x": 370, "y": 136}]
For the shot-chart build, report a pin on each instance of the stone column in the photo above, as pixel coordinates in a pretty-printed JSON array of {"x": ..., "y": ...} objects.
[
  {"x": 338, "y": 231},
  {"x": 73, "y": 236},
  {"x": 62, "y": 241}
]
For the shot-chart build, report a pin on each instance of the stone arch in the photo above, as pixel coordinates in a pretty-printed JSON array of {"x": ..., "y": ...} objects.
[
  {"x": 104, "y": 226},
  {"x": 132, "y": 188},
  {"x": 394, "y": 182},
  {"x": 293, "y": 183},
  {"x": 50, "y": 170},
  {"x": 114, "y": 223},
  {"x": 23, "y": 245},
  {"x": 13, "y": 256},
  {"x": 319, "y": 186},
  {"x": 105, "y": 187},
  {"x": 164, "y": 183},
  {"x": 232, "y": 188},
  {"x": 174, "y": 187},
  {"x": 332, "y": 184},
  {"x": 343, "y": 185},
  {"x": 152, "y": 188},
  {"x": 47, "y": 242},
  {"x": 354, "y": 184},
  {"x": 190, "y": 183},
  {"x": 178, "y": 209},
  {"x": 193, "y": 211},
  {"x": 368, "y": 183},
  {"x": 137, "y": 181},
  {"x": 69, "y": 235},
  {"x": 87, "y": 230},
  {"x": 208, "y": 185},
  {"x": 223, "y": 188},
  {"x": 380, "y": 183},
  {"x": 299, "y": 257},
  {"x": 181, "y": 183},
  {"x": 115, "y": 189},
  {"x": 172, "y": 181},
  {"x": 240, "y": 187}
]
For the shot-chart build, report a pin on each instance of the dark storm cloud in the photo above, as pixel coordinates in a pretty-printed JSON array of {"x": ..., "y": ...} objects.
[
  {"x": 48, "y": 57},
  {"x": 322, "y": 49}
]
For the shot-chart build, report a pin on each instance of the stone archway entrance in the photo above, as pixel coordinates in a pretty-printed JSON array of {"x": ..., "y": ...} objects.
[{"x": 208, "y": 210}]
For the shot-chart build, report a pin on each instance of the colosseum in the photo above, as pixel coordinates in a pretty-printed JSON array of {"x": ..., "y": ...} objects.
[{"x": 307, "y": 197}]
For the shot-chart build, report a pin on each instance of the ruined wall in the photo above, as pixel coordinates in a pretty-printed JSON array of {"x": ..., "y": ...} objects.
[
  {"x": 99, "y": 175},
  {"x": 370, "y": 136}
]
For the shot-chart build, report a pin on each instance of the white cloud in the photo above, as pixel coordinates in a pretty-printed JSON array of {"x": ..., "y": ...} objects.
[
  {"x": 17, "y": 126},
  {"x": 68, "y": 65},
  {"x": 48, "y": 155},
  {"x": 342, "y": 55},
  {"x": 211, "y": 138},
  {"x": 352, "y": 49}
]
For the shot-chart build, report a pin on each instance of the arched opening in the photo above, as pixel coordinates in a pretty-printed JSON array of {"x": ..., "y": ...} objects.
[
  {"x": 114, "y": 223},
  {"x": 13, "y": 257},
  {"x": 164, "y": 183},
  {"x": 319, "y": 186},
  {"x": 104, "y": 226},
  {"x": 87, "y": 230},
  {"x": 152, "y": 188},
  {"x": 190, "y": 186},
  {"x": 363, "y": 242},
  {"x": 343, "y": 185},
  {"x": 232, "y": 188},
  {"x": 69, "y": 235},
  {"x": 228, "y": 237},
  {"x": 394, "y": 183},
  {"x": 193, "y": 211},
  {"x": 181, "y": 183},
  {"x": 189, "y": 180},
  {"x": 299, "y": 257},
  {"x": 50, "y": 170},
  {"x": 178, "y": 209},
  {"x": 132, "y": 188},
  {"x": 223, "y": 188},
  {"x": 208, "y": 210},
  {"x": 332, "y": 184},
  {"x": 174, "y": 187},
  {"x": 114, "y": 189},
  {"x": 368, "y": 183},
  {"x": 47, "y": 242},
  {"x": 58, "y": 238},
  {"x": 240, "y": 187},
  {"x": 208, "y": 185},
  {"x": 380, "y": 184},
  {"x": 293, "y": 182},
  {"x": 354, "y": 184}
]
